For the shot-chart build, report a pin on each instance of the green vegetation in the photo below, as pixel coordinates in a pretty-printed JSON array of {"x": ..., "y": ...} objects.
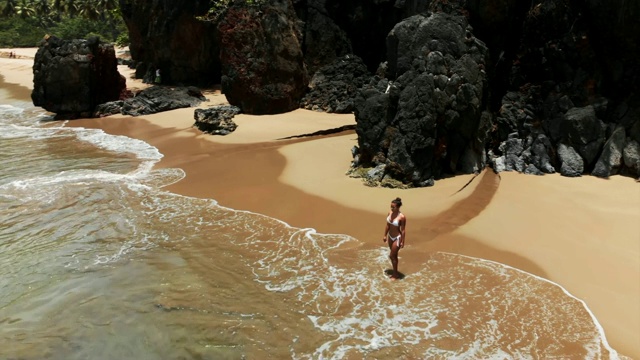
[
  {"x": 23, "y": 23},
  {"x": 220, "y": 6},
  {"x": 214, "y": 13}
]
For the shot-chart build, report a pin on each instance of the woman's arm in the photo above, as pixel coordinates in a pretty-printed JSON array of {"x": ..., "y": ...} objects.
[
  {"x": 386, "y": 231},
  {"x": 403, "y": 230}
]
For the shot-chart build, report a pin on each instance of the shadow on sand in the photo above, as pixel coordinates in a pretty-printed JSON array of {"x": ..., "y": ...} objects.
[{"x": 388, "y": 273}]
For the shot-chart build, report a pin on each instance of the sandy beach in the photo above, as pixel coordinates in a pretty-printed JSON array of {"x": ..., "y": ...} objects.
[{"x": 581, "y": 233}]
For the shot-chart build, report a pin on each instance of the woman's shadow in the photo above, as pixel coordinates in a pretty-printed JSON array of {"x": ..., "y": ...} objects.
[{"x": 389, "y": 272}]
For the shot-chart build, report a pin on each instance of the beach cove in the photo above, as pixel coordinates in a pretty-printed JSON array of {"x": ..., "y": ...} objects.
[{"x": 581, "y": 234}]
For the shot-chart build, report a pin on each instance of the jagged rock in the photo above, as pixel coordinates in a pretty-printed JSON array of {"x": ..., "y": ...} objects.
[
  {"x": 160, "y": 98},
  {"x": 428, "y": 114},
  {"x": 427, "y": 183},
  {"x": 71, "y": 77},
  {"x": 571, "y": 163},
  {"x": 513, "y": 145},
  {"x": 512, "y": 150},
  {"x": 516, "y": 117},
  {"x": 610, "y": 160},
  {"x": 377, "y": 173},
  {"x": 334, "y": 87},
  {"x": 355, "y": 154},
  {"x": 631, "y": 157},
  {"x": 498, "y": 164},
  {"x": 216, "y": 120},
  {"x": 539, "y": 154},
  {"x": 584, "y": 132},
  {"x": 532, "y": 170},
  {"x": 108, "y": 108},
  {"x": 263, "y": 70},
  {"x": 554, "y": 108},
  {"x": 355, "y": 150},
  {"x": 153, "y": 100},
  {"x": 530, "y": 155}
]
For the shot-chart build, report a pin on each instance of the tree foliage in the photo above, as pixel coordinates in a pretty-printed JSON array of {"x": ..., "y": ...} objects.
[
  {"x": 26, "y": 22},
  {"x": 219, "y": 7}
]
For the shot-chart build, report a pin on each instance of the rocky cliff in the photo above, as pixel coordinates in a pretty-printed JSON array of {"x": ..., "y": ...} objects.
[
  {"x": 539, "y": 87},
  {"x": 166, "y": 35},
  {"x": 262, "y": 62}
]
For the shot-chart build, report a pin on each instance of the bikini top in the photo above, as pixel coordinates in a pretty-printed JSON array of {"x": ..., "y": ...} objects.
[{"x": 395, "y": 222}]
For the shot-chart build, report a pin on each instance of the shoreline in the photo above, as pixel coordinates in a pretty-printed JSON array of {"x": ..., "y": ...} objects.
[
  {"x": 578, "y": 233},
  {"x": 267, "y": 178}
]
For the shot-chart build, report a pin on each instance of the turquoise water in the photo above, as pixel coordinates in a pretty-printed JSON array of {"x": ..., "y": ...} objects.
[{"x": 97, "y": 261}]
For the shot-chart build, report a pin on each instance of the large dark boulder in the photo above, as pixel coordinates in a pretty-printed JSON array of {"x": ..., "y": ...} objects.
[
  {"x": 71, "y": 77},
  {"x": 426, "y": 119},
  {"x": 262, "y": 61},
  {"x": 175, "y": 37},
  {"x": 611, "y": 158},
  {"x": 571, "y": 164},
  {"x": 585, "y": 132}
]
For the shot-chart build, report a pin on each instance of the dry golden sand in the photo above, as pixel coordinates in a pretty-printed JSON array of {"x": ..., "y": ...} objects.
[
  {"x": 16, "y": 75},
  {"x": 582, "y": 233}
]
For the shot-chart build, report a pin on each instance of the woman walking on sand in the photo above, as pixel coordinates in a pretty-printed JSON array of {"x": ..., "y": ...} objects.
[{"x": 394, "y": 234}]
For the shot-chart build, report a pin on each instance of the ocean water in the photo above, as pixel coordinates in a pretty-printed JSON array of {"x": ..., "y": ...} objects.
[{"x": 97, "y": 261}]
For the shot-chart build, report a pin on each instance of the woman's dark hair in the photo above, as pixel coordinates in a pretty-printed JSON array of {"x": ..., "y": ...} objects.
[{"x": 397, "y": 201}]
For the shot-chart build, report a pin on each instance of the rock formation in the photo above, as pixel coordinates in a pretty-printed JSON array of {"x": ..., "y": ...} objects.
[
  {"x": 153, "y": 100},
  {"x": 334, "y": 87},
  {"x": 168, "y": 35},
  {"x": 557, "y": 90},
  {"x": 217, "y": 120},
  {"x": 70, "y": 78},
  {"x": 323, "y": 41},
  {"x": 262, "y": 63},
  {"x": 425, "y": 119},
  {"x": 564, "y": 84}
]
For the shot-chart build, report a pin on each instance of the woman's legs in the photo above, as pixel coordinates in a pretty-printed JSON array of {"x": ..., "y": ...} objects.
[{"x": 393, "y": 256}]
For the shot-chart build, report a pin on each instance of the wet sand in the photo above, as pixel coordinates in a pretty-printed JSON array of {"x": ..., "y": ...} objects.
[{"x": 580, "y": 233}]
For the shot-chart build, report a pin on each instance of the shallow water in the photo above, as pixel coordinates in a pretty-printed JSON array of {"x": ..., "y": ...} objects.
[{"x": 98, "y": 261}]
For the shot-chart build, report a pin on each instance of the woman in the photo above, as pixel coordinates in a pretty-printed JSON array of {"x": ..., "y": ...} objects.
[{"x": 394, "y": 233}]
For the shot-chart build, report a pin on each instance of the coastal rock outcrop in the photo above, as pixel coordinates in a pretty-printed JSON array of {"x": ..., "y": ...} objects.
[
  {"x": 334, "y": 87},
  {"x": 172, "y": 36},
  {"x": 217, "y": 120},
  {"x": 263, "y": 69},
  {"x": 558, "y": 87},
  {"x": 153, "y": 100},
  {"x": 559, "y": 76},
  {"x": 426, "y": 118},
  {"x": 367, "y": 23},
  {"x": 71, "y": 77}
]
